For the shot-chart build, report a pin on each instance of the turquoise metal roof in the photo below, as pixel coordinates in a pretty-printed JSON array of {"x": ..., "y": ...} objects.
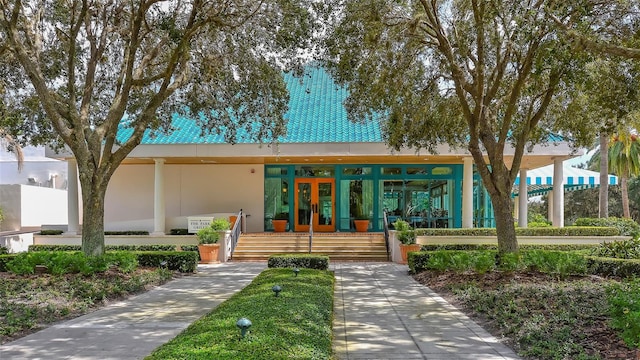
[{"x": 316, "y": 115}]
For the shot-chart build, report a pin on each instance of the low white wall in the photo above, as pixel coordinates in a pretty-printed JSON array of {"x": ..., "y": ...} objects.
[
  {"x": 16, "y": 242},
  {"x": 32, "y": 206},
  {"x": 537, "y": 240}
]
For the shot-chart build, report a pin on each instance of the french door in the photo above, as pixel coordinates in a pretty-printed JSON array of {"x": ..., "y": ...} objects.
[{"x": 319, "y": 195}]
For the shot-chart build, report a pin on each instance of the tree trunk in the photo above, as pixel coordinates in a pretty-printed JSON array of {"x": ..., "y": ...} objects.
[
  {"x": 624, "y": 189},
  {"x": 94, "y": 188},
  {"x": 604, "y": 176},
  {"x": 505, "y": 226}
]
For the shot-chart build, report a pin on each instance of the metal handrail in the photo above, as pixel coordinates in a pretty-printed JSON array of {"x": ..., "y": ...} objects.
[
  {"x": 310, "y": 231},
  {"x": 235, "y": 234},
  {"x": 385, "y": 226}
]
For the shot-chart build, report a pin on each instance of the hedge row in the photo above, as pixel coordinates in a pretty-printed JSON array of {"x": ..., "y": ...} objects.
[
  {"x": 126, "y": 232},
  {"x": 546, "y": 231},
  {"x": 560, "y": 247},
  {"x": 182, "y": 261},
  {"x": 157, "y": 247},
  {"x": 547, "y": 261},
  {"x": 306, "y": 261},
  {"x": 627, "y": 227}
]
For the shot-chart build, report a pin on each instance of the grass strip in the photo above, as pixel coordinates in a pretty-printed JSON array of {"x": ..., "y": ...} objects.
[{"x": 294, "y": 325}]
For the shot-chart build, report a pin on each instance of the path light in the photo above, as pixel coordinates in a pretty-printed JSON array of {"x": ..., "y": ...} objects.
[
  {"x": 296, "y": 271},
  {"x": 276, "y": 289},
  {"x": 243, "y": 324}
]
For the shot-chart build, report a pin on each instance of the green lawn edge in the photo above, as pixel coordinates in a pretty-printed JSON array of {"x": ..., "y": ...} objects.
[{"x": 297, "y": 324}]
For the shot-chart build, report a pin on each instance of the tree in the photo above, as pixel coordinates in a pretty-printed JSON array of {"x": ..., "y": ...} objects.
[
  {"x": 85, "y": 70},
  {"x": 624, "y": 161},
  {"x": 479, "y": 74}
]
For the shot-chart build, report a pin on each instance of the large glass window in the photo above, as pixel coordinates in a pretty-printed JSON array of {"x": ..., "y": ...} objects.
[
  {"x": 356, "y": 201},
  {"x": 276, "y": 200}
]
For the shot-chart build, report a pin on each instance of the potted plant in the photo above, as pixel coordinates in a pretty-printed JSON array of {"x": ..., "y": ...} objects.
[
  {"x": 280, "y": 222},
  {"x": 361, "y": 223},
  {"x": 208, "y": 238},
  {"x": 407, "y": 238}
]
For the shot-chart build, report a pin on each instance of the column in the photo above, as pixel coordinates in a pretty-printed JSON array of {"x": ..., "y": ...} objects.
[
  {"x": 467, "y": 193},
  {"x": 158, "y": 198},
  {"x": 73, "y": 210},
  {"x": 558, "y": 193},
  {"x": 523, "y": 200}
]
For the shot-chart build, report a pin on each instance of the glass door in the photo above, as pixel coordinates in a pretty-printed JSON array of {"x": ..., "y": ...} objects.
[{"x": 317, "y": 195}]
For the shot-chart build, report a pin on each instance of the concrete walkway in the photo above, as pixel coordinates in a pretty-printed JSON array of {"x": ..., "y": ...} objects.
[
  {"x": 380, "y": 313},
  {"x": 132, "y": 329}
]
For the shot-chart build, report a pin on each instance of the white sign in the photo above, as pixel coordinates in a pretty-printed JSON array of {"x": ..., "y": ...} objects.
[{"x": 198, "y": 222}]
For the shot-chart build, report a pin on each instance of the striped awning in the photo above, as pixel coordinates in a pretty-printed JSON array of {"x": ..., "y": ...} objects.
[{"x": 540, "y": 181}]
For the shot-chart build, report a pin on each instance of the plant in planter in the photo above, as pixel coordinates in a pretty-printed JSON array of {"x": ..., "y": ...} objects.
[
  {"x": 208, "y": 238},
  {"x": 361, "y": 223},
  {"x": 407, "y": 238},
  {"x": 280, "y": 222}
]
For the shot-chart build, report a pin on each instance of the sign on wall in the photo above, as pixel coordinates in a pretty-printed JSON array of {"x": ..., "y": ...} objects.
[{"x": 196, "y": 223}]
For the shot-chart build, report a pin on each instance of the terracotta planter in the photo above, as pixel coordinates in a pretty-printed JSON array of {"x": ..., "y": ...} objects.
[
  {"x": 208, "y": 253},
  {"x": 361, "y": 225},
  {"x": 405, "y": 249},
  {"x": 279, "y": 225},
  {"x": 232, "y": 220}
]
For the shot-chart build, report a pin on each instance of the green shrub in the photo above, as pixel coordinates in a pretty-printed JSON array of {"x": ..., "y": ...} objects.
[
  {"x": 127, "y": 232},
  {"x": 401, "y": 225},
  {"x": 3, "y": 250},
  {"x": 306, "y": 261},
  {"x": 605, "y": 266},
  {"x": 4, "y": 260},
  {"x": 182, "y": 261},
  {"x": 153, "y": 247},
  {"x": 189, "y": 248},
  {"x": 624, "y": 307},
  {"x": 627, "y": 227},
  {"x": 407, "y": 237},
  {"x": 538, "y": 224},
  {"x": 619, "y": 249},
  {"x": 560, "y": 263},
  {"x": 179, "y": 231},
  {"x": 64, "y": 262},
  {"x": 51, "y": 232},
  {"x": 294, "y": 325},
  {"x": 538, "y": 219}
]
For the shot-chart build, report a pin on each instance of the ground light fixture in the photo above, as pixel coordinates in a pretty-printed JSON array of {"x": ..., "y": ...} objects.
[
  {"x": 276, "y": 289},
  {"x": 296, "y": 271},
  {"x": 243, "y": 324}
]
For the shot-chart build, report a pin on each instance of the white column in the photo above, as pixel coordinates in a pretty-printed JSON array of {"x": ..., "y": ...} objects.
[
  {"x": 158, "y": 198},
  {"x": 523, "y": 200},
  {"x": 558, "y": 193},
  {"x": 73, "y": 212},
  {"x": 550, "y": 206},
  {"x": 467, "y": 193},
  {"x": 516, "y": 212}
]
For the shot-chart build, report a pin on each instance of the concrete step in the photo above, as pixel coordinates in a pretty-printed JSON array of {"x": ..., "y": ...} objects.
[{"x": 338, "y": 246}]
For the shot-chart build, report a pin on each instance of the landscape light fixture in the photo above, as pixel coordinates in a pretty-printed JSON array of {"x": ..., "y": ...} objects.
[
  {"x": 243, "y": 324},
  {"x": 296, "y": 271},
  {"x": 276, "y": 289}
]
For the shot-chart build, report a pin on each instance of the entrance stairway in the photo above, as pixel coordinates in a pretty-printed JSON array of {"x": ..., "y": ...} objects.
[{"x": 338, "y": 246}]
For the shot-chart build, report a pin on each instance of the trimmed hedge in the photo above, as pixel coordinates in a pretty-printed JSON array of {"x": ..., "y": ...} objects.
[
  {"x": 179, "y": 231},
  {"x": 182, "y": 261},
  {"x": 561, "y": 247},
  {"x": 307, "y": 261},
  {"x": 157, "y": 247},
  {"x": 126, "y": 232},
  {"x": 189, "y": 248},
  {"x": 3, "y": 250},
  {"x": 613, "y": 267},
  {"x": 51, "y": 232},
  {"x": 546, "y": 231},
  {"x": 627, "y": 227}
]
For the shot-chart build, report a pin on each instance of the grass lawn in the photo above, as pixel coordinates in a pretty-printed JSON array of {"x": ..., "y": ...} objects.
[{"x": 294, "y": 325}]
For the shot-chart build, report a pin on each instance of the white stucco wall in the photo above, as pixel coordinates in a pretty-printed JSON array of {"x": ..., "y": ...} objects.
[
  {"x": 189, "y": 190},
  {"x": 28, "y": 206}
]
